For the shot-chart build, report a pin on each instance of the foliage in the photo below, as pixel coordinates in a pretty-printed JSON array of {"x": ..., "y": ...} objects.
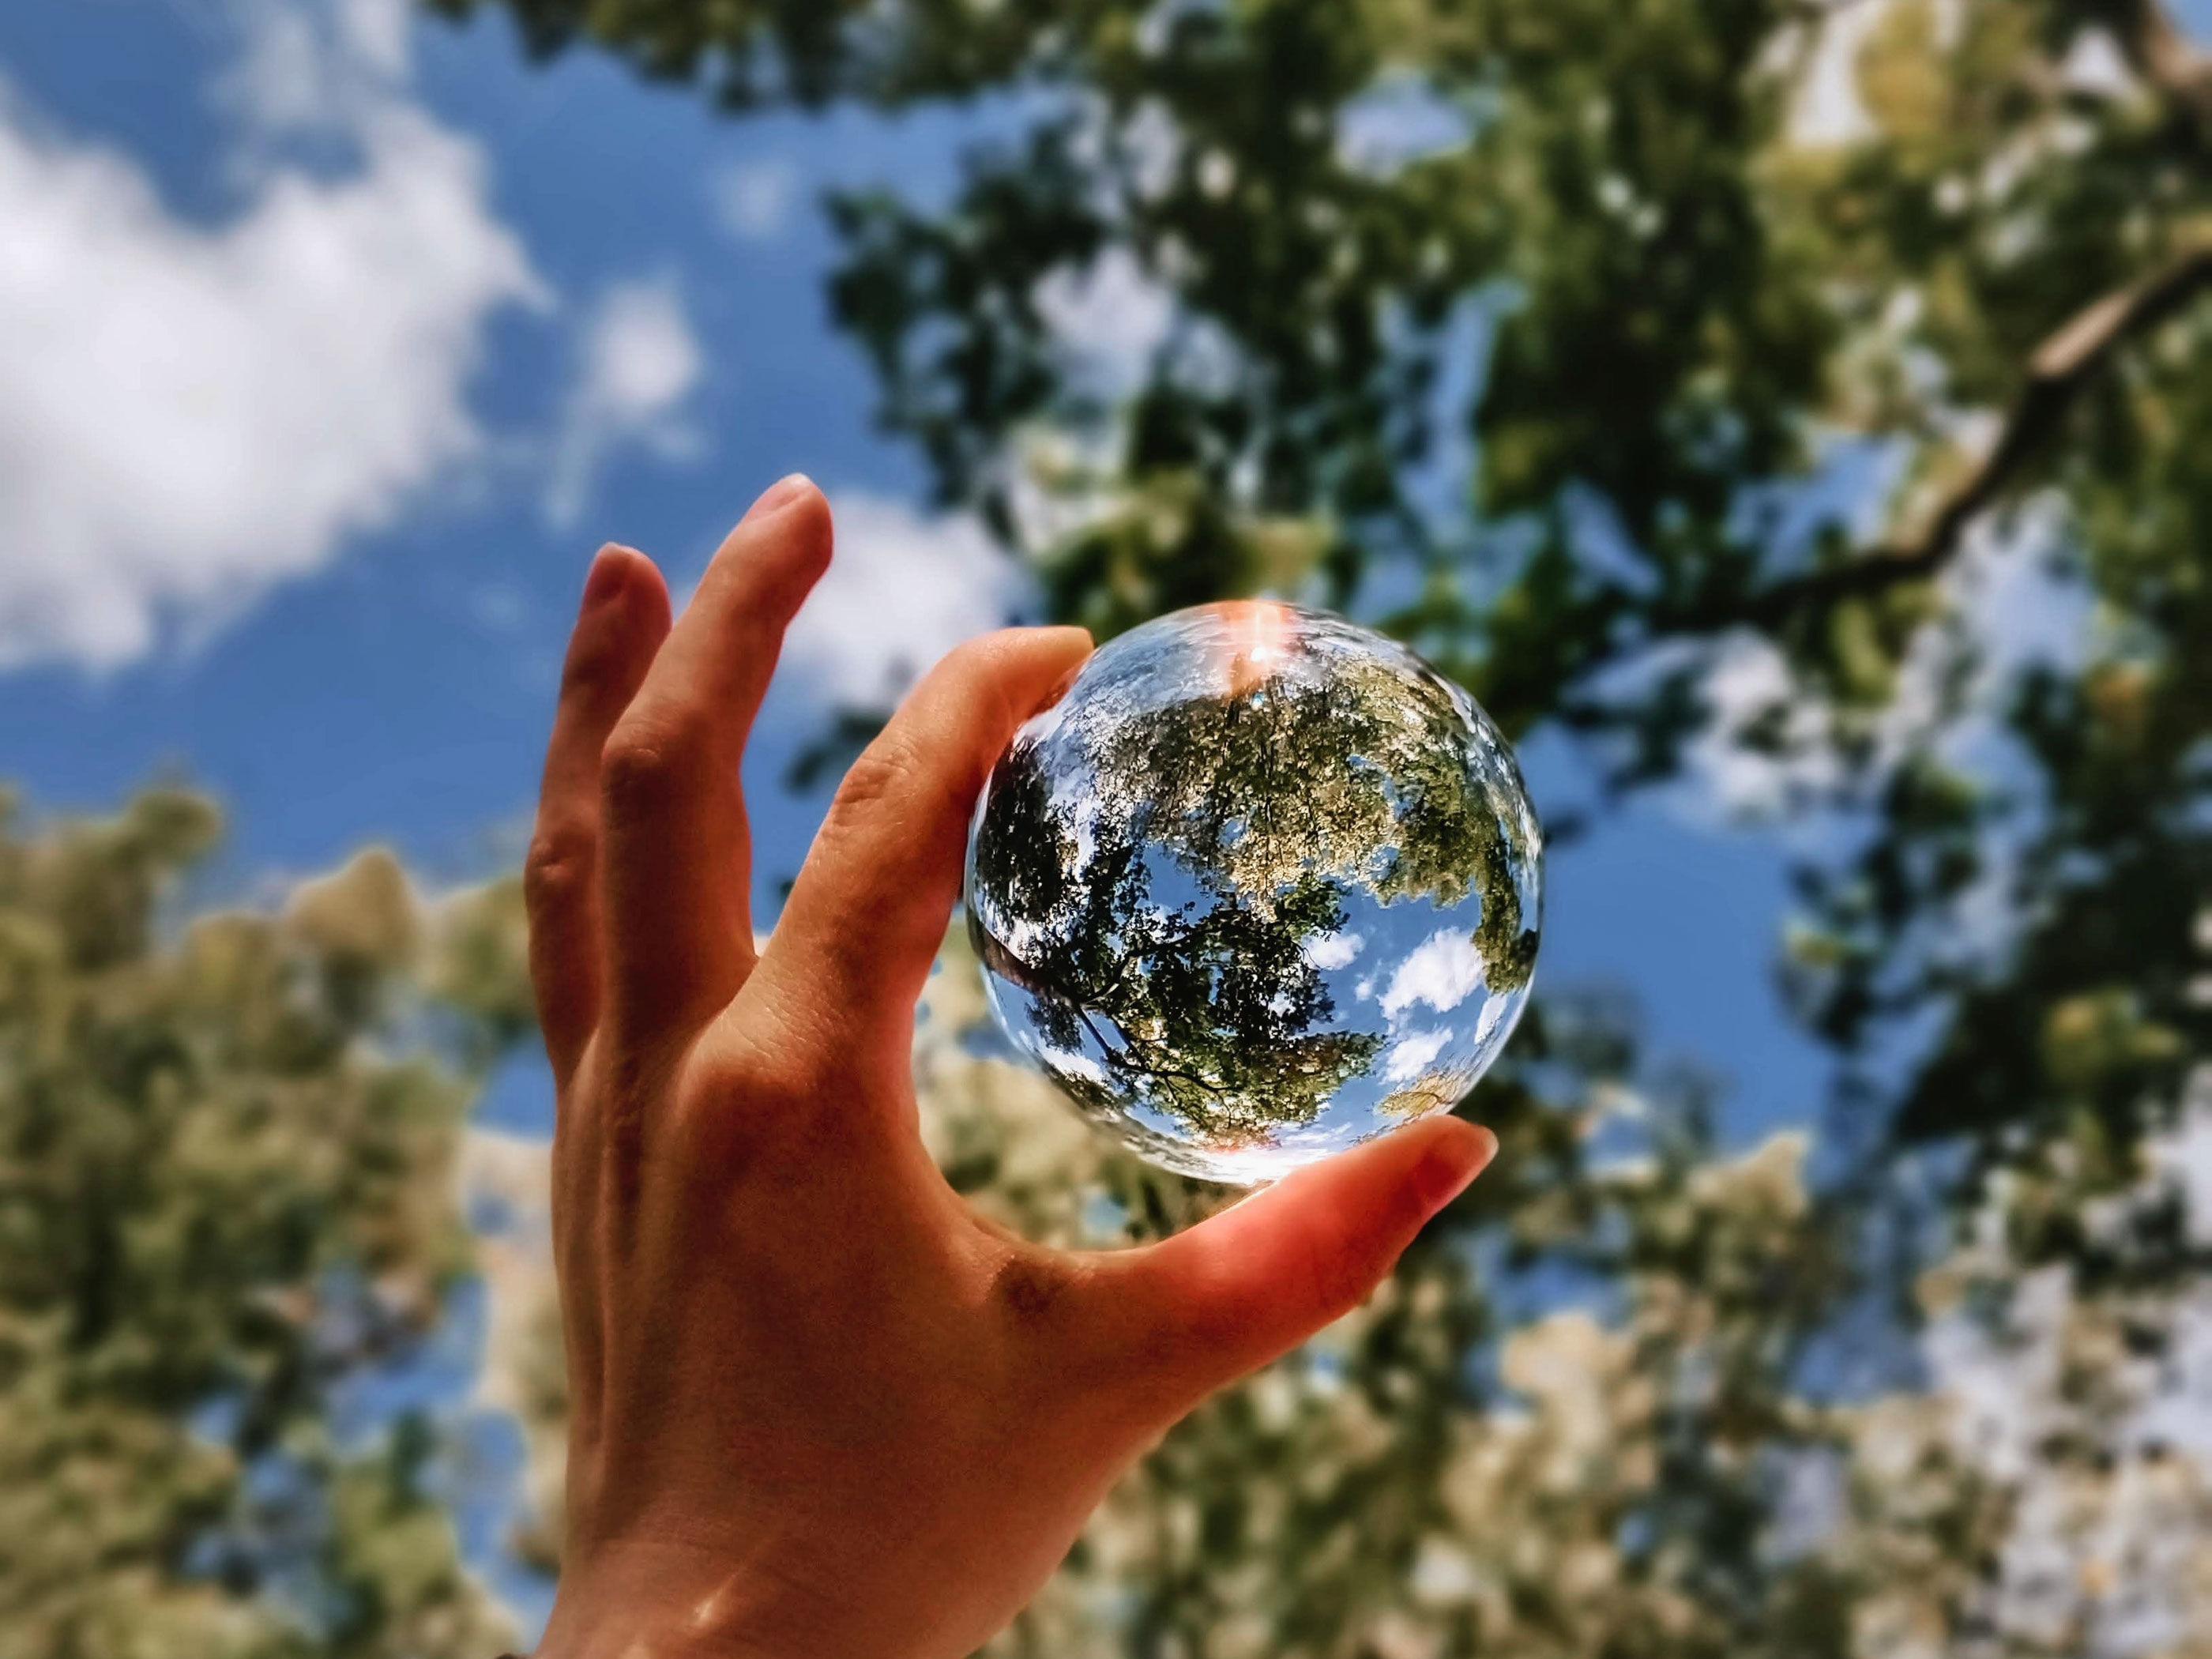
[
  {"x": 1740, "y": 385},
  {"x": 1571, "y": 1425},
  {"x": 1767, "y": 387},
  {"x": 1673, "y": 399},
  {"x": 225, "y": 1202}
]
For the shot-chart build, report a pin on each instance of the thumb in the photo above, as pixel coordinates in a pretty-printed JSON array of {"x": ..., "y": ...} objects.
[{"x": 1253, "y": 1282}]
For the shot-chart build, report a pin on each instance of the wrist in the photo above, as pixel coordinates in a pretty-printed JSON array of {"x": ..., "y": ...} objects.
[
  {"x": 668, "y": 1603},
  {"x": 738, "y": 1601}
]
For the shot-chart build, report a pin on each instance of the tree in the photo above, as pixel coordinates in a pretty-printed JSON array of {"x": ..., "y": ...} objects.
[
  {"x": 1761, "y": 384},
  {"x": 226, "y": 1200},
  {"x": 1668, "y": 398}
]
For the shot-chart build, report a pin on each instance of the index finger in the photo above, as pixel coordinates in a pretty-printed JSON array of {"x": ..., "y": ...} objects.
[{"x": 868, "y": 911}]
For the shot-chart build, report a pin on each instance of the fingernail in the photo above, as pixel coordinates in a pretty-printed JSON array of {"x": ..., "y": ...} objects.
[
  {"x": 1456, "y": 1158},
  {"x": 605, "y": 576},
  {"x": 781, "y": 494}
]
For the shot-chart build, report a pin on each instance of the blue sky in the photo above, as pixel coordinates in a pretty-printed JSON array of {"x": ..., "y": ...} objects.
[{"x": 332, "y": 342}]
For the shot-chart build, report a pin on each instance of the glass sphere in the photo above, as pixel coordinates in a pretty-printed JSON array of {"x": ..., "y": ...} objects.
[{"x": 1260, "y": 885}]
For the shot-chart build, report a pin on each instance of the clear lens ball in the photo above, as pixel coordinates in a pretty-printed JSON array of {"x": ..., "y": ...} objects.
[{"x": 1260, "y": 885}]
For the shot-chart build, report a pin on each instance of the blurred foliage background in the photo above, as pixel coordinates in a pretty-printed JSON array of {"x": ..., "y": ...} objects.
[{"x": 1840, "y": 445}]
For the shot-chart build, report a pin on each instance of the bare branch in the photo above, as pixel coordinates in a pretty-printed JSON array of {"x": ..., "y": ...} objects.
[
  {"x": 2171, "y": 65},
  {"x": 2061, "y": 367}
]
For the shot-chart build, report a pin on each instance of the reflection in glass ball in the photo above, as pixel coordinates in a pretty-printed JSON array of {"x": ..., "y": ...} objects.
[{"x": 1260, "y": 885}]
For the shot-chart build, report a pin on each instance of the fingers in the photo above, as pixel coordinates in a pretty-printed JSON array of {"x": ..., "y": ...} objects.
[
  {"x": 1234, "y": 1292},
  {"x": 620, "y": 624},
  {"x": 676, "y": 855},
  {"x": 868, "y": 912}
]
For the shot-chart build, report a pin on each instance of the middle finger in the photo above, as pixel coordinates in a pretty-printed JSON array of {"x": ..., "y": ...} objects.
[{"x": 677, "y": 856}]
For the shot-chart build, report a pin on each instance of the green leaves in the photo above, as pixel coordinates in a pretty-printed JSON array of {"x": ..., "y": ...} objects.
[
  {"x": 219, "y": 1201},
  {"x": 1596, "y": 344}
]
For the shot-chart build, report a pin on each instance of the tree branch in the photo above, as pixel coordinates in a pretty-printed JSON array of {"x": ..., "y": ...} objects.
[
  {"x": 2061, "y": 367},
  {"x": 2164, "y": 59}
]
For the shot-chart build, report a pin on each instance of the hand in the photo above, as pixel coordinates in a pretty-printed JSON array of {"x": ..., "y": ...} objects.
[{"x": 819, "y": 1407}]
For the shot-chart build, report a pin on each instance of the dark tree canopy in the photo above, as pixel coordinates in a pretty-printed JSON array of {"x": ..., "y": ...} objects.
[
  {"x": 1736, "y": 388},
  {"x": 1589, "y": 345}
]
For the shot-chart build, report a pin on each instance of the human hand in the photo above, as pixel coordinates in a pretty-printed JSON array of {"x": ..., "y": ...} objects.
[{"x": 819, "y": 1406}]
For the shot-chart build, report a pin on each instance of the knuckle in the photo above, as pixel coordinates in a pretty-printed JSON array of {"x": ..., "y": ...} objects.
[
  {"x": 976, "y": 657},
  {"x": 594, "y": 664},
  {"x": 880, "y": 773},
  {"x": 1191, "y": 1332},
  {"x": 1157, "y": 1353},
  {"x": 556, "y": 868},
  {"x": 882, "y": 778},
  {"x": 643, "y": 762},
  {"x": 771, "y": 1083},
  {"x": 1032, "y": 1289},
  {"x": 982, "y": 667},
  {"x": 731, "y": 1086}
]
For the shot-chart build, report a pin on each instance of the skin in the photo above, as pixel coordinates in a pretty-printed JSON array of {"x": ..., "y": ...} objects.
[{"x": 819, "y": 1406}]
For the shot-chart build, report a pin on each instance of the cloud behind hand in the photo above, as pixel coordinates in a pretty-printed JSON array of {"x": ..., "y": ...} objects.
[
  {"x": 191, "y": 413},
  {"x": 640, "y": 363}
]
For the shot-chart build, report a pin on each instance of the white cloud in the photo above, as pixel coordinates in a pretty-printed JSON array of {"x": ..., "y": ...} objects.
[
  {"x": 1151, "y": 145},
  {"x": 2094, "y": 64},
  {"x": 1409, "y": 1056},
  {"x": 1827, "y": 109},
  {"x": 378, "y": 32},
  {"x": 1110, "y": 316},
  {"x": 753, "y": 199},
  {"x": 316, "y": 66},
  {"x": 1444, "y": 971},
  {"x": 1747, "y": 686},
  {"x": 1487, "y": 1024},
  {"x": 641, "y": 361},
  {"x": 1334, "y": 950},
  {"x": 2011, "y": 607},
  {"x": 190, "y": 413},
  {"x": 901, "y": 591}
]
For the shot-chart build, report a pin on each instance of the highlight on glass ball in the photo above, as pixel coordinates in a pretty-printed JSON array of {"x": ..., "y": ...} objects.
[{"x": 1261, "y": 886}]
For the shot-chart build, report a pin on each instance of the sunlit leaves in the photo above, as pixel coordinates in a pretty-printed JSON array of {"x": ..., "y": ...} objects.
[{"x": 219, "y": 1203}]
